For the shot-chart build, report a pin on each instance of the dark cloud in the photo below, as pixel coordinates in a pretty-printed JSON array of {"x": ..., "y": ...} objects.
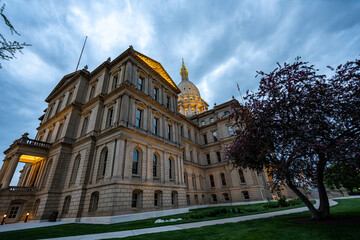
[{"x": 223, "y": 43}]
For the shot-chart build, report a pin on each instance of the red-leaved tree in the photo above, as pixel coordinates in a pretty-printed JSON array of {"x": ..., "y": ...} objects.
[{"x": 299, "y": 123}]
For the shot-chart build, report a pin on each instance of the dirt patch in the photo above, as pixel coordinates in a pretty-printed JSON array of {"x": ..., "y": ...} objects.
[{"x": 339, "y": 220}]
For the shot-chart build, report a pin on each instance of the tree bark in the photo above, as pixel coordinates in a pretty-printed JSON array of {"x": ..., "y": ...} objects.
[
  {"x": 314, "y": 212},
  {"x": 324, "y": 208}
]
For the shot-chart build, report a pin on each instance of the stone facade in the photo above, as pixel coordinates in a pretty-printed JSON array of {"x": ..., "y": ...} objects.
[{"x": 116, "y": 141}]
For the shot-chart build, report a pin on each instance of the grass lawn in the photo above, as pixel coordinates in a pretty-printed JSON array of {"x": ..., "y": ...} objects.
[
  {"x": 344, "y": 224},
  {"x": 197, "y": 215}
]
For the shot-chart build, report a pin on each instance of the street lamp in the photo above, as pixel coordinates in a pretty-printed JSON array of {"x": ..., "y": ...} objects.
[
  {"x": 27, "y": 215},
  {"x": 2, "y": 222}
]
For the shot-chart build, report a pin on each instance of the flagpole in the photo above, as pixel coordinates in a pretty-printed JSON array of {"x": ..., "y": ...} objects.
[
  {"x": 242, "y": 100},
  {"x": 81, "y": 54}
]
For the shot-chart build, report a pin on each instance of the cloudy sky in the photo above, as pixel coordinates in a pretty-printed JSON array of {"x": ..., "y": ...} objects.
[{"x": 222, "y": 42}]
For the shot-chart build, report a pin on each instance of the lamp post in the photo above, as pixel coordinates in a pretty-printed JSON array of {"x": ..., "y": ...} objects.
[
  {"x": 2, "y": 222},
  {"x": 27, "y": 216}
]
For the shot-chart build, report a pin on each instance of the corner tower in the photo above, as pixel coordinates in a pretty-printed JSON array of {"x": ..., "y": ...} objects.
[{"x": 190, "y": 102}]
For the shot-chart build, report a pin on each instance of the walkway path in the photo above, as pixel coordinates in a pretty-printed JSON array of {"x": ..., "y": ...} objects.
[{"x": 129, "y": 233}]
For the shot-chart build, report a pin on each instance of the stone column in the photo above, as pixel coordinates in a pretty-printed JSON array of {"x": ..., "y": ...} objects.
[
  {"x": 10, "y": 171},
  {"x": 119, "y": 158},
  {"x": 124, "y": 109},
  {"x": 4, "y": 168}
]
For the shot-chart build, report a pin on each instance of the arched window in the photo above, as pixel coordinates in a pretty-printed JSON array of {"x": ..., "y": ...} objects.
[
  {"x": 157, "y": 198},
  {"x": 171, "y": 169},
  {"x": 136, "y": 199},
  {"x": 174, "y": 198},
  {"x": 75, "y": 169},
  {"x": 196, "y": 200},
  {"x": 194, "y": 180},
  {"x": 188, "y": 199},
  {"x": 94, "y": 202},
  {"x": 135, "y": 165},
  {"x": 66, "y": 205},
  {"x": 103, "y": 162},
  {"x": 212, "y": 182},
  {"x": 223, "y": 180},
  {"x": 155, "y": 162},
  {"x": 241, "y": 177}
]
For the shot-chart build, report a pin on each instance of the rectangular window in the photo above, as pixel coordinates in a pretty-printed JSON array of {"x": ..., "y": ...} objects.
[
  {"x": 202, "y": 123},
  {"x": 109, "y": 117},
  {"x": 134, "y": 200},
  {"x": 169, "y": 131},
  {"x": 182, "y": 131},
  {"x": 230, "y": 129},
  {"x": 59, "y": 106},
  {"x": 58, "y": 135},
  {"x": 191, "y": 156},
  {"x": 208, "y": 158},
  {"x": 140, "y": 83},
  {"x": 167, "y": 101},
  {"x": 84, "y": 126},
  {"x": 214, "y": 198},
  {"x": 189, "y": 134},
  {"x": 156, "y": 123},
  {"x": 156, "y": 199},
  {"x": 138, "y": 117},
  {"x": 211, "y": 120},
  {"x": 115, "y": 82},
  {"x": 226, "y": 197},
  {"x": 195, "y": 135},
  {"x": 69, "y": 100},
  {"x": 205, "y": 139},
  {"x": 156, "y": 93},
  {"x": 218, "y": 156},
  {"x": 215, "y": 136},
  {"x": 92, "y": 92}
]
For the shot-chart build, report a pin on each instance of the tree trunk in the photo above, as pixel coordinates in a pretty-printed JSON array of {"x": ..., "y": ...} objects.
[
  {"x": 315, "y": 214},
  {"x": 324, "y": 208}
]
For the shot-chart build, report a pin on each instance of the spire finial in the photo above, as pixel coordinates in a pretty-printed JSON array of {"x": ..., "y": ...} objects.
[{"x": 184, "y": 72}]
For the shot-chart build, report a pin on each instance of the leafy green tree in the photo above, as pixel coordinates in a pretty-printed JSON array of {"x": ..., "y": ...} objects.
[
  {"x": 9, "y": 48},
  {"x": 339, "y": 175}
]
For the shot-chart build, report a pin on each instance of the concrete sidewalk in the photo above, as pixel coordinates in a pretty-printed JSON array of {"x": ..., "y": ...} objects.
[
  {"x": 128, "y": 233},
  {"x": 28, "y": 225}
]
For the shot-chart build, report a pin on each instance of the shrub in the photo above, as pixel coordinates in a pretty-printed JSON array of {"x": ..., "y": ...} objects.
[
  {"x": 295, "y": 202},
  {"x": 271, "y": 205},
  {"x": 282, "y": 202}
]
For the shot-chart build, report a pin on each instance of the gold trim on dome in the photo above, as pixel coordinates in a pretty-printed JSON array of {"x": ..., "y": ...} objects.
[{"x": 158, "y": 68}]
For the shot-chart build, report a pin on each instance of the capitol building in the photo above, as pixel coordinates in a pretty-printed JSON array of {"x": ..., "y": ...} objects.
[{"x": 124, "y": 141}]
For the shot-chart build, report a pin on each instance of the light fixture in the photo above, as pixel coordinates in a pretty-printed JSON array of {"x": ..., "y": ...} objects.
[{"x": 27, "y": 214}]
